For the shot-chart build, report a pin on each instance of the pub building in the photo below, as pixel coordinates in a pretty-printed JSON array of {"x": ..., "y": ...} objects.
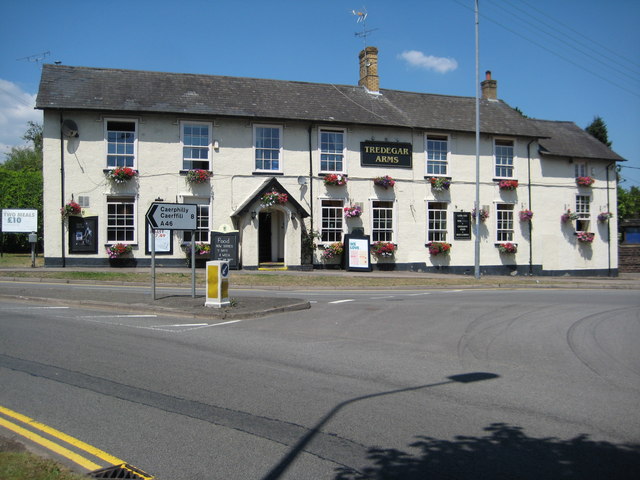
[{"x": 285, "y": 174}]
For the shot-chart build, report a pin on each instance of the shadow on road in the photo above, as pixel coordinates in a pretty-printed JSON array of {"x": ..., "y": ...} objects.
[{"x": 505, "y": 452}]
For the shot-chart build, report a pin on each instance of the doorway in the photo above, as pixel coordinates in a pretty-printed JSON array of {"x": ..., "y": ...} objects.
[{"x": 271, "y": 237}]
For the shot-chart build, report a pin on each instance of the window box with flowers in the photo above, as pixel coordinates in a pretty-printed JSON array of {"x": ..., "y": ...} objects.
[
  {"x": 569, "y": 216},
  {"x": 71, "y": 208},
  {"x": 385, "y": 182},
  {"x": 526, "y": 215},
  {"x": 332, "y": 251},
  {"x": 272, "y": 198},
  {"x": 439, "y": 248},
  {"x": 121, "y": 174},
  {"x": 440, "y": 184},
  {"x": 507, "y": 247},
  {"x": 484, "y": 214},
  {"x": 119, "y": 255},
  {"x": 335, "y": 179},
  {"x": 585, "y": 237},
  {"x": 202, "y": 253},
  {"x": 585, "y": 181},
  {"x": 352, "y": 211},
  {"x": 605, "y": 216},
  {"x": 508, "y": 184},
  {"x": 197, "y": 175},
  {"x": 383, "y": 249}
]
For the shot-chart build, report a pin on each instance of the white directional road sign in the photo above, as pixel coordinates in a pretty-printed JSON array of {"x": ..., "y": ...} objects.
[{"x": 172, "y": 216}]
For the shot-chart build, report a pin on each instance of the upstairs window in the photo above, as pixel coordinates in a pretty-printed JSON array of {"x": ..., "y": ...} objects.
[
  {"x": 437, "y": 154},
  {"x": 583, "y": 209},
  {"x": 268, "y": 148},
  {"x": 332, "y": 150},
  {"x": 503, "y": 151},
  {"x": 196, "y": 146},
  {"x": 504, "y": 222},
  {"x": 436, "y": 222},
  {"x": 121, "y": 143},
  {"x": 580, "y": 169},
  {"x": 382, "y": 228},
  {"x": 332, "y": 221}
]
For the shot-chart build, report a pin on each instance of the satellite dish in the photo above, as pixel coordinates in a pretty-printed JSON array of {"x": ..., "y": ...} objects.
[{"x": 69, "y": 128}]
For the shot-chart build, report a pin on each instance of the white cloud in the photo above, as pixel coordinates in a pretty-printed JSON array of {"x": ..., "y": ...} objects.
[
  {"x": 428, "y": 62},
  {"x": 16, "y": 109}
]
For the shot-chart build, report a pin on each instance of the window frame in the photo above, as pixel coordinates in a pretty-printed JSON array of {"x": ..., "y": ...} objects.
[
  {"x": 440, "y": 233},
  {"x": 209, "y": 146},
  {"x": 439, "y": 163},
  {"x": 343, "y": 132},
  {"x": 280, "y": 149},
  {"x": 200, "y": 203},
  {"x": 497, "y": 166},
  {"x": 375, "y": 231},
  {"x": 132, "y": 224},
  {"x": 134, "y": 155},
  {"x": 580, "y": 169},
  {"x": 339, "y": 210},
  {"x": 510, "y": 232},
  {"x": 583, "y": 210}
]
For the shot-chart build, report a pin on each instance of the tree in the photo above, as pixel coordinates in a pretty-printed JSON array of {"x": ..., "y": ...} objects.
[
  {"x": 599, "y": 130},
  {"x": 628, "y": 203},
  {"x": 21, "y": 183}
]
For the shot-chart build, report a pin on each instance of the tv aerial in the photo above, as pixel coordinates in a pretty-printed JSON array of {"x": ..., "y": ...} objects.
[
  {"x": 37, "y": 58},
  {"x": 362, "y": 18}
]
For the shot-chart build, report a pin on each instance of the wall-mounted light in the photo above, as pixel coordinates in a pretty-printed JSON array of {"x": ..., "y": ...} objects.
[
  {"x": 253, "y": 215},
  {"x": 216, "y": 145}
]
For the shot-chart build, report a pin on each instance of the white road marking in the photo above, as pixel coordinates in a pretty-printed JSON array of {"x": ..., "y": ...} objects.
[
  {"x": 343, "y": 301},
  {"x": 38, "y": 308},
  {"x": 119, "y": 316}
]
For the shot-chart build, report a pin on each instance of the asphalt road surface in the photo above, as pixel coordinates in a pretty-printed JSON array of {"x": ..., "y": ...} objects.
[{"x": 415, "y": 384}]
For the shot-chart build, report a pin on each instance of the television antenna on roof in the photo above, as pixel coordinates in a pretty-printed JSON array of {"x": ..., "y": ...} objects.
[
  {"x": 37, "y": 58},
  {"x": 362, "y": 18}
]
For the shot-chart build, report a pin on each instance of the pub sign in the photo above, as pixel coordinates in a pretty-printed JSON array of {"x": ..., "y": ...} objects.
[{"x": 386, "y": 154}]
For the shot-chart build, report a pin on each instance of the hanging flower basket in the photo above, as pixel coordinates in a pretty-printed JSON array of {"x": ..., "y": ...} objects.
[
  {"x": 526, "y": 215},
  {"x": 352, "y": 211},
  {"x": 384, "y": 182},
  {"x": 604, "y": 216},
  {"x": 383, "y": 249},
  {"x": 585, "y": 181},
  {"x": 585, "y": 237},
  {"x": 437, "y": 248},
  {"x": 272, "y": 198},
  {"x": 484, "y": 214},
  {"x": 507, "y": 247},
  {"x": 121, "y": 174},
  {"x": 569, "y": 216},
  {"x": 333, "y": 250},
  {"x": 118, "y": 249},
  {"x": 198, "y": 176},
  {"x": 335, "y": 179},
  {"x": 71, "y": 208},
  {"x": 439, "y": 184},
  {"x": 508, "y": 184}
]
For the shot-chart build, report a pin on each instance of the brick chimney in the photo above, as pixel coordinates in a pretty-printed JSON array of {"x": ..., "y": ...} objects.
[
  {"x": 369, "y": 69},
  {"x": 489, "y": 88}
]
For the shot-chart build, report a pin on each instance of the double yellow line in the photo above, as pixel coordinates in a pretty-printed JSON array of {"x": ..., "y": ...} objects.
[{"x": 60, "y": 436}]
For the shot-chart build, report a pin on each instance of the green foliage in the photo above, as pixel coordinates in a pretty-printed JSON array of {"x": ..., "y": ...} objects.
[
  {"x": 628, "y": 203},
  {"x": 598, "y": 129},
  {"x": 23, "y": 158}
]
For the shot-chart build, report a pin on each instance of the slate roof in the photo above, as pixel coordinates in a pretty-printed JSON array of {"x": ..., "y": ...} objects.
[
  {"x": 566, "y": 139},
  {"x": 114, "y": 90}
]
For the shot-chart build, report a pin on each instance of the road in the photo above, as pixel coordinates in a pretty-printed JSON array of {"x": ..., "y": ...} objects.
[{"x": 462, "y": 384}]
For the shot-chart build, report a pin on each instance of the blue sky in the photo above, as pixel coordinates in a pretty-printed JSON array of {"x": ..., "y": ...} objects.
[{"x": 553, "y": 59}]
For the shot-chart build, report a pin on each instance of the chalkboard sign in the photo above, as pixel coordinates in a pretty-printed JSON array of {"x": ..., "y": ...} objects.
[
  {"x": 462, "y": 225},
  {"x": 224, "y": 246}
]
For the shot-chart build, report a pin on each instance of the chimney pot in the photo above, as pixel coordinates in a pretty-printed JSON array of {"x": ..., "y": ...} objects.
[
  {"x": 489, "y": 87},
  {"x": 369, "y": 69}
]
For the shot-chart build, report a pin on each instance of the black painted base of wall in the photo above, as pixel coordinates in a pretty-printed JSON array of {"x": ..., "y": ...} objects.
[{"x": 520, "y": 270}]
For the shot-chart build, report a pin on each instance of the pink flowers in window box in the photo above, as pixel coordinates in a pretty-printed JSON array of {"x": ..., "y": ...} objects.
[
  {"x": 383, "y": 249},
  {"x": 437, "y": 248},
  {"x": 507, "y": 247},
  {"x": 333, "y": 250},
  {"x": 337, "y": 180},
  {"x": 585, "y": 237},
  {"x": 585, "y": 181},
  {"x": 384, "y": 182},
  {"x": 118, "y": 249},
  {"x": 439, "y": 184},
  {"x": 121, "y": 174},
  {"x": 198, "y": 176},
  {"x": 508, "y": 184}
]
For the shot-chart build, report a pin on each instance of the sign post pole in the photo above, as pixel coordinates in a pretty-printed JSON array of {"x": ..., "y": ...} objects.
[
  {"x": 193, "y": 264},
  {"x": 153, "y": 262}
]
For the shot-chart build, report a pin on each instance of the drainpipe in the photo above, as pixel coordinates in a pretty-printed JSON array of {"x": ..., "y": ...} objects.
[
  {"x": 609, "y": 223},
  {"x": 530, "y": 207},
  {"x": 310, "y": 182},
  {"x": 62, "y": 190}
]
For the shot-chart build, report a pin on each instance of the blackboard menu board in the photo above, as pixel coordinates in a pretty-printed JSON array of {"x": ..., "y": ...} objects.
[
  {"x": 462, "y": 225},
  {"x": 224, "y": 246}
]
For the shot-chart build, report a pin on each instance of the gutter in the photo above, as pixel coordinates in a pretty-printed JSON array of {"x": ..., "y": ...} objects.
[{"x": 530, "y": 207}]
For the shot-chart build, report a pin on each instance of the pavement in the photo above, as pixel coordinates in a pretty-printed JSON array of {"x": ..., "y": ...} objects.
[{"x": 168, "y": 302}]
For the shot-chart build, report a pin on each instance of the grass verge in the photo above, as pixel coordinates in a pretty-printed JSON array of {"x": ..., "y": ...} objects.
[{"x": 26, "y": 466}]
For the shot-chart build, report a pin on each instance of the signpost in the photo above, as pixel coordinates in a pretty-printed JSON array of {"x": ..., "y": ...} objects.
[{"x": 172, "y": 216}]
